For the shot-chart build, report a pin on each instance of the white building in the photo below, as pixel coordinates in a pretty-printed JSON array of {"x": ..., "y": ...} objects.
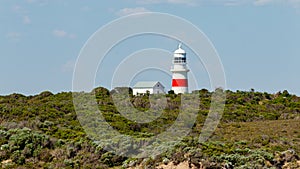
[{"x": 148, "y": 86}]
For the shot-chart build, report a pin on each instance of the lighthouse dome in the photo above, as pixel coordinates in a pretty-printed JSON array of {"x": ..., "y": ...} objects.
[{"x": 179, "y": 50}]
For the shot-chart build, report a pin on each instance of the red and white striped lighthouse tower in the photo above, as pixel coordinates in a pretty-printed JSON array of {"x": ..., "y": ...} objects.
[{"x": 179, "y": 70}]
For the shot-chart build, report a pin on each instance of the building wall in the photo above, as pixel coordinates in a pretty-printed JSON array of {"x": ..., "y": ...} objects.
[
  {"x": 142, "y": 90},
  {"x": 155, "y": 90},
  {"x": 158, "y": 89}
]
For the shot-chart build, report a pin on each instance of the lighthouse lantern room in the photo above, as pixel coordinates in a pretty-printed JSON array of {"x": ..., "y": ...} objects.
[{"x": 179, "y": 70}]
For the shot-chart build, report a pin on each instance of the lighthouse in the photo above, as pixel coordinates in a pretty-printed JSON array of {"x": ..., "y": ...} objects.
[{"x": 179, "y": 70}]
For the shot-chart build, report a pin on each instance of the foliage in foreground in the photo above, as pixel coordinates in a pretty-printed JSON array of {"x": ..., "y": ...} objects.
[{"x": 43, "y": 131}]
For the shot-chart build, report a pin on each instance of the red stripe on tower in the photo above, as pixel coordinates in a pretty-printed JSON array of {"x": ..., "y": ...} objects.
[{"x": 179, "y": 83}]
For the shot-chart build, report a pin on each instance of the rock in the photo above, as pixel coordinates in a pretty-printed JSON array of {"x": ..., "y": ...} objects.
[
  {"x": 228, "y": 166},
  {"x": 132, "y": 164},
  {"x": 268, "y": 164},
  {"x": 6, "y": 163},
  {"x": 166, "y": 161},
  {"x": 286, "y": 159}
]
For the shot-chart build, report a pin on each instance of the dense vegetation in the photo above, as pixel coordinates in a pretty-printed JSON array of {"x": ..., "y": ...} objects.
[{"x": 257, "y": 130}]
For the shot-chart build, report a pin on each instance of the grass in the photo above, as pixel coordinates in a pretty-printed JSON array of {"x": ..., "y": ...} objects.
[{"x": 262, "y": 134}]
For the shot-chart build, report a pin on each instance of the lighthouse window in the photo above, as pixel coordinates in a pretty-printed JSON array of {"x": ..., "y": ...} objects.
[{"x": 179, "y": 60}]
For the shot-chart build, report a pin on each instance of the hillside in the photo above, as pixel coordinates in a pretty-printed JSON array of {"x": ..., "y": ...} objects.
[{"x": 257, "y": 130}]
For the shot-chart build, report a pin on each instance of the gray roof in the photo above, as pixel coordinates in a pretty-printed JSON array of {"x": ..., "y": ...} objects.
[{"x": 146, "y": 84}]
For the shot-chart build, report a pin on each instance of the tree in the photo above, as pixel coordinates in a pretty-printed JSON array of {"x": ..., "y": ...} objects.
[{"x": 171, "y": 92}]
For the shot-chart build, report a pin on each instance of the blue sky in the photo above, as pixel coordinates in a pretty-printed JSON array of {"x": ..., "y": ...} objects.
[{"x": 258, "y": 40}]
